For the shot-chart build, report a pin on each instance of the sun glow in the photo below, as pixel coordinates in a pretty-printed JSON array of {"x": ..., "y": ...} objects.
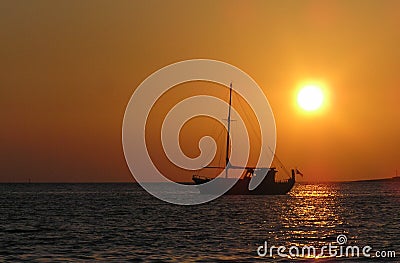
[{"x": 310, "y": 97}]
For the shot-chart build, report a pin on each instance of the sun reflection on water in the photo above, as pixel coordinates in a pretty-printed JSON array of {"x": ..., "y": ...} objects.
[{"x": 311, "y": 217}]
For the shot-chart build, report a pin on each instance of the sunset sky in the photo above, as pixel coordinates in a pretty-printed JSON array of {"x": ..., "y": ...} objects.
[{"x": 69, "y": 68}]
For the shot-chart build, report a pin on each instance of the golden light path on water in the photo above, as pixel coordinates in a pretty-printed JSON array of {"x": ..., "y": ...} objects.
[
  {"x": 316, "y": 214},
  {"x": 312, "y": 218}
]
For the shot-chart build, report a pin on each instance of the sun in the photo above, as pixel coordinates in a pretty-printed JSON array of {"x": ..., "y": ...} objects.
[{"x": 310, "y": 97}]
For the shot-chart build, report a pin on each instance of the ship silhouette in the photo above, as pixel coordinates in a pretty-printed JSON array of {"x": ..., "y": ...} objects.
[{"x": 268, "y": 186}]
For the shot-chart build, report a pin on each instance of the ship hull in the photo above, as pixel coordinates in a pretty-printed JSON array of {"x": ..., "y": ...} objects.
[{"x": 241, "y": 187}]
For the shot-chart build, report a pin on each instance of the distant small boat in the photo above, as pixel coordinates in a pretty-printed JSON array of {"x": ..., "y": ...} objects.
[
  {"x": 397, "y": 177},
  {"x": 268, "y": 186}
]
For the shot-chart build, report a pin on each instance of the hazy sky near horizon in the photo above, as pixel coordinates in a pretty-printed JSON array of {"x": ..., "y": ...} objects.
[{"x": 69, "y": 68}]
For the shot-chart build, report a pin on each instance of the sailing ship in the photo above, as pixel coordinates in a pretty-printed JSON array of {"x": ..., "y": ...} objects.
[{"x": 268, "y": 186}]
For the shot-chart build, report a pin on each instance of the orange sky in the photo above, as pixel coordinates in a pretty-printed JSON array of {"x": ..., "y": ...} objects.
[{"x": 68, "y": 69}]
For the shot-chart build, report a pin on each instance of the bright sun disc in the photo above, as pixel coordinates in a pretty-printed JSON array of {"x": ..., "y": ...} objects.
[{"x": 310, "y": 98}]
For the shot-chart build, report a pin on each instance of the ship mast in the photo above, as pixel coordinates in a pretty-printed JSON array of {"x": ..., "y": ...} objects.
[{"x": 228, "y": 132}]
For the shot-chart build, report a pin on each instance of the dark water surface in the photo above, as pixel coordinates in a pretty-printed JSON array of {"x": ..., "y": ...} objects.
[{"x": 121, "y": 222}]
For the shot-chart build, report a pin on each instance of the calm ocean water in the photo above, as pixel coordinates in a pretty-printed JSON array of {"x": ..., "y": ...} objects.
[{"x": 121, "y": 222}]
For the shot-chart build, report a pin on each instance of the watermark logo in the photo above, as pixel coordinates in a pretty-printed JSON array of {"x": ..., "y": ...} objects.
[
  {"x": 341, "y": 239},
  {"x": 143, "y": 169},
  {"x": 330, "y": 250}
]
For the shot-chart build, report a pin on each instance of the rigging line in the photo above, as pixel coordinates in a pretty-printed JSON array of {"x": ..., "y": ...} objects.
[
  {"x": 252, "y": 126},
  {"x": 213, "y": 129},
  {"x": 255, "y": 130},
  {"x": 218, "y": 137},
  {"x": 259, "y": 140},
  {"x": 216, "y": 140},
  {"x": 251, "y": 123},
  {"x": 282, "y": 165}
]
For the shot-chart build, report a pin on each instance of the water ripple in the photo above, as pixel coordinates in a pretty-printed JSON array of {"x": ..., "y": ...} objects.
[{"x": 121, "y": 222}]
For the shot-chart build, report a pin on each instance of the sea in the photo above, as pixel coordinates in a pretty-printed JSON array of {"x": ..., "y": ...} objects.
[{"x": 121, "y": 222}]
